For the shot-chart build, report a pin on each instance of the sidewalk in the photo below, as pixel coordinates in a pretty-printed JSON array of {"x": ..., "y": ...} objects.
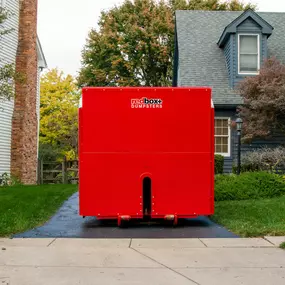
[{"x": 142, "y": 261}]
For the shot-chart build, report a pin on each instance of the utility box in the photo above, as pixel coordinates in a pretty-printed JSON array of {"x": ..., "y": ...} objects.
[{"x": 146, "y": 153}]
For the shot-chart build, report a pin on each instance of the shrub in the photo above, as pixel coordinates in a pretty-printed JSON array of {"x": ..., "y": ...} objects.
[
  {"x": 264, "y": 159},
  {"x": 8, "y": 180},
  {"x": 219, "y": 164},
  {"x": 250, "y": 185}
]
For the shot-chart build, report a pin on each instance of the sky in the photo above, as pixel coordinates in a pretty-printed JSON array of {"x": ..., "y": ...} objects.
[{"x": 63, "y": 27}]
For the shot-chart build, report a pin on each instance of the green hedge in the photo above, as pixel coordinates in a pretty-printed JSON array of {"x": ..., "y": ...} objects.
[
  {"x": 219, "y": 164},
  {"x": 247, "y": 168},
  {"x": 250, "y": 185}
]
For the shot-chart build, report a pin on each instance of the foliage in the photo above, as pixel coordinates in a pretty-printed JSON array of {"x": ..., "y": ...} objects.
[
  {"x": 250, "y": 185},
  {"x": 49, "y": 152},
  {"x": 282, "y": 245},
  {"x": 7, "y": 180},
  {"x": 59, "y": 114},
  {"x": 7, "y": 71},
  {"x": 267, "y": 159},
  {"x": 219, "y": 164},
  {"x": 26, "y": 207},
  {"x": 252, "y": 218},
  {"x": 264, "y": 100},
  {"x": 134, "y": 44}
]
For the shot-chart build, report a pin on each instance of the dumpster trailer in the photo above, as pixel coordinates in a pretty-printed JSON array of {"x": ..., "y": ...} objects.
[{"x": 146, "y": 153}]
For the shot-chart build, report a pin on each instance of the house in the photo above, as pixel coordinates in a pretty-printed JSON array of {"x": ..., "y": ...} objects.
[
  {"x": 219, "y": 49},
  {"x": 20, "y": 117}
]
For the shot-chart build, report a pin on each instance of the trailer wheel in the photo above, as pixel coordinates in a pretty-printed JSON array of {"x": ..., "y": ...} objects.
[{"x": 175, "y": 221}]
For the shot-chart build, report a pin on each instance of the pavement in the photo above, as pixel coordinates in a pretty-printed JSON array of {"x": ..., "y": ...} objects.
[
  {"x": 66, "y": 223},
  {"x": 202, "y": 261}
]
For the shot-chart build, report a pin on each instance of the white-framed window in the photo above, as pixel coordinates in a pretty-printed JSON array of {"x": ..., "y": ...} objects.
[
  {"x": 248, "y": 54},
  {"x": 222, "y": 136}
]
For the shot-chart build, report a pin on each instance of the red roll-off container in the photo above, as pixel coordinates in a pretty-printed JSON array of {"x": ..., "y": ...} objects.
[{"x": 146, "y": 153}]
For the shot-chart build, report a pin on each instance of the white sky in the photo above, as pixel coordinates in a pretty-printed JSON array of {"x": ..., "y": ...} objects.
[{"x": 63, "y": 26}]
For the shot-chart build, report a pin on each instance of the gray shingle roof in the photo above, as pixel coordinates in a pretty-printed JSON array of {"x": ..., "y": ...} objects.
[{"x": 202, "y": 62}]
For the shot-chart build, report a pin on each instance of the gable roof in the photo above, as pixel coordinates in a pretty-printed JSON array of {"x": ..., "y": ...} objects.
[
  {"x": 232, "y": 27},
  {"x": 202, "y": 62}
]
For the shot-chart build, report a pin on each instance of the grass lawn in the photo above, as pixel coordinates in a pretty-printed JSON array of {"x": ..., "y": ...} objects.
[
  {"x": 26, "y": 207},
  {"x": 252, "y": 218}
]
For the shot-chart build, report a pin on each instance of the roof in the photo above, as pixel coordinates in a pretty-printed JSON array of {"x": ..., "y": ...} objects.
[
  {"x": 232, "y": 27},
  {"x": 202, "y": 62}
]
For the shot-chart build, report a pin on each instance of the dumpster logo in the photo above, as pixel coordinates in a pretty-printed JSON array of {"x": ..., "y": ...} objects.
[{"x": 146, "y": 103}]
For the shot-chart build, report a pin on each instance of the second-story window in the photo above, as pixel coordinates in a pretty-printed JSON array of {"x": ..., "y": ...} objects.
[{"x": 248, "y": 54}]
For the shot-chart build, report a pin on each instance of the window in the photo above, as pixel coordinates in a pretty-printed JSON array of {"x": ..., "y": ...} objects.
[
  {"x": 222, "y": 136},
  {"x": 248, "y": 54}
]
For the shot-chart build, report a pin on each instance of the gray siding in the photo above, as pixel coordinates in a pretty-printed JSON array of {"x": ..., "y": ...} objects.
[
  {"x": 8, "y": 49},
  {"x": 249, "y": 26},
  {"x": 228, "y": 51}
]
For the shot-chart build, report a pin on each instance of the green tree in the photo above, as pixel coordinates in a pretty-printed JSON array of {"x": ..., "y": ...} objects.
[
  {"x": 58, "y": 116},
  {"x": 134, "y": 44},
  {"x": 7, "y": 71}
]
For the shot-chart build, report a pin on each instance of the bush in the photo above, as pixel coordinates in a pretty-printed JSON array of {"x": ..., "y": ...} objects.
[
  {"x": 264, "y": 159},
  {"x": 247, "y": 168},
  {"x": 254, "y": 185},
  {"x": 219, "y": 164}
]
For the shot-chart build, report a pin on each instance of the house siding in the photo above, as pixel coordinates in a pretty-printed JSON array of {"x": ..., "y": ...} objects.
[
  {"x": 250, "y": 26},
  {"x": 8, "y": 49},
  {"x": 228, "y": 51}
]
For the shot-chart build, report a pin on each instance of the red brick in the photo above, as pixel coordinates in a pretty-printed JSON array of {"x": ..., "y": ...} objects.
[{"x": 24, "y": 123}]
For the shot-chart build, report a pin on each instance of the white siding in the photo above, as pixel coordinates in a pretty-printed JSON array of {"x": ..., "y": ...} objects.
[
  {"x": 8, "y": 49},
  {"x": 38, "y": 104}
]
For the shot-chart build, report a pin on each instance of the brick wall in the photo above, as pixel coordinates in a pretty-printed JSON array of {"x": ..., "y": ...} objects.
[{"x": 24, "y": 122}]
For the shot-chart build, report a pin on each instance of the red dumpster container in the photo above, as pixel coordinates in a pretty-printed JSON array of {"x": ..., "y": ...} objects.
[{"x": 146, "y": 153}]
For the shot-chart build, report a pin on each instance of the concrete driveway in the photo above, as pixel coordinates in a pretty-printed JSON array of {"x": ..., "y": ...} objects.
[
  {"x": 67, "y": 223},
  {"x": 142, "y": 261}
]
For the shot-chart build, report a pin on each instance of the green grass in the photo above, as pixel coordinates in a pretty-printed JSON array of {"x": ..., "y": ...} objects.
[
  {"x": 252, "y": 218},
  {"x": 25, "y": 207},
  {"x": 282, "y": 245}
]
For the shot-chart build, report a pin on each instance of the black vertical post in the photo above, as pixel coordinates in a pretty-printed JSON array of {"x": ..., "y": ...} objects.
[{"x": 239, "y": 153}]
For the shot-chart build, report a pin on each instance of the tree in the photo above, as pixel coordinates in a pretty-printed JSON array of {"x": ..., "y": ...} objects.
[
  {"x": 58, "y": 116},
  {"x": 263, "y": 108},
  {"x": 7, "y": 71},
  {"x": 134, "y": 44}
]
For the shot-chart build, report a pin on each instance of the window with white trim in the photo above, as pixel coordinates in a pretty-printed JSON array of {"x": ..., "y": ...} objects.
[
  {"x": 248, "y": 54},
  {"x": 222, "y": 136}
]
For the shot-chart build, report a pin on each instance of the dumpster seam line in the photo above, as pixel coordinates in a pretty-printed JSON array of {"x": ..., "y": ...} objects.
[{"x": 165, "y": 266}]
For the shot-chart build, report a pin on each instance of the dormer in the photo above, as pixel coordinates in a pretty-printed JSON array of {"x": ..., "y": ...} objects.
[{"x": 244, "y": 42}]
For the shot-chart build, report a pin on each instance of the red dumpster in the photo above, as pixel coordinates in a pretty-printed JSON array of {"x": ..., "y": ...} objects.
[{"x": 146, "y": 153}]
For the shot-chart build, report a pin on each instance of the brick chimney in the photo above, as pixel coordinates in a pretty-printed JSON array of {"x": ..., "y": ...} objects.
[{"x": 24, "y": 123}]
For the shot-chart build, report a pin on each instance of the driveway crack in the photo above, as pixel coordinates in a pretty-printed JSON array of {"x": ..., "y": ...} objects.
[
  {"x": 51, "y": 242},
  {"x": 165, "y": 266}
]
